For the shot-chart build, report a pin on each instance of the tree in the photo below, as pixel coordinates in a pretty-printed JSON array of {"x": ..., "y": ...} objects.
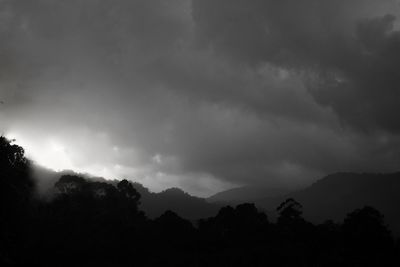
[
  {"x": 69, "y": 184},
  {"x": 16, "y": 191},
  {"x": 366, "y": 225},
  {"x": 16, "y": 184},
  {"x": 290, "y": 211},
  {"x": 367, "y": 239},
  {"x": 127, "y": 191},
  {"x": 15, "y": 175}
]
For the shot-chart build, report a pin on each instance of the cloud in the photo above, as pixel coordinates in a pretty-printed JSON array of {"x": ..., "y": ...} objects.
[
  {"x": 349, "y": 49},
  {"x": 204, "y": 94}
]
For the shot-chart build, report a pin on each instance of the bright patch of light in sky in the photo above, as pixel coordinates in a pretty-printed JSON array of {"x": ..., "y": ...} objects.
[
  {"x": 56, "y": 153},
  {"x": 51, "y": 154}
]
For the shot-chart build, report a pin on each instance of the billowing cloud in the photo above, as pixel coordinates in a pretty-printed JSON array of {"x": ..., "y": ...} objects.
[
  {"x": 203, "y": 95},
  {"x": 349, "y": 49}
]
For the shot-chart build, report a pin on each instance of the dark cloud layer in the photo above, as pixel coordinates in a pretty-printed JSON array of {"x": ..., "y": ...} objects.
[
  {"x": 351, "y": 49},
  {"x": 203, "y": 94}
]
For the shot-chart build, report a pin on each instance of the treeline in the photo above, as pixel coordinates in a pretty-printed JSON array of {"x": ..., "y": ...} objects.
[{"x": 90, "y": 223}]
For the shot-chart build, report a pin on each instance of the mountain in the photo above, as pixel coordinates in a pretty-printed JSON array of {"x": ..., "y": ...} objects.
[
  {"x": 46, "y": 178},
  {"x": 175, "y": 199},
  {"x": 246, "y": 194},
  {"x": 335, "y": 195},
  {"x": 331, "y": 197},
  {"x": 153, "y": 204}
]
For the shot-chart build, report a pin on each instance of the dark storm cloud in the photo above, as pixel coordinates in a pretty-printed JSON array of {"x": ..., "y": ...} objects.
[
  {"x": 202, "y": 94},
  {"x": 350, "y": 47}
]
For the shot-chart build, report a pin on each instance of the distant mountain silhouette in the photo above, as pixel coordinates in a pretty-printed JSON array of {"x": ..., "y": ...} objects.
[
  {"x": 337, "y": 194},
  {"x": 330, "y": 197},
  {"x": 153, "y": 204},
  {"x": 246, "y": 194},
  {"x": 175, "y": 199},
  {"x": 45, "y": 179}
]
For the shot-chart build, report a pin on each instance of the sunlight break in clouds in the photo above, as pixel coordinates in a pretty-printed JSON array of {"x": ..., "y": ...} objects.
[{"x": 50, "y": 154}]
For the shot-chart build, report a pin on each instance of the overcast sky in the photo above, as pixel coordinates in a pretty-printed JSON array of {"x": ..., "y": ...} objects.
[{"x": 203, "y": 94}]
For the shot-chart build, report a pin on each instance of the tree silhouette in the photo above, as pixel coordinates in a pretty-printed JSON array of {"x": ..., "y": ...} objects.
[
  {"x": 290, "y": 211},
  {"x": 128, "y": 191},
  {"x": 16, "y": 191},
  {"x": 70, "y": 184},
  {"x": 368, "y": 236},
  {"x": 15, "y": 173}
]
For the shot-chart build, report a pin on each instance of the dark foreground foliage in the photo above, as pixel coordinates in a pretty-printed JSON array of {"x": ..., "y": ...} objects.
[{"x": 98, "y": 224}]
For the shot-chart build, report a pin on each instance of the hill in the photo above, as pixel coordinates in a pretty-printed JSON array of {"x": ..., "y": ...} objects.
[
  {"x": 175, "y": 199},
  {"x": 338, "y": 194},
  {"x": 153, "y": 204},
  {"x": 246, "y": 194},
  {"x": 331, "y": 197}
]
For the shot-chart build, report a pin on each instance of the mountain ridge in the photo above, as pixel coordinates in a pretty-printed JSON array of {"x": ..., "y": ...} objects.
[
  {"x": 330, "y": 197},
  {"x": 335, "y": 195},
  {"x": 246, "y": 194},
  {"x": 152, "y": 203}
]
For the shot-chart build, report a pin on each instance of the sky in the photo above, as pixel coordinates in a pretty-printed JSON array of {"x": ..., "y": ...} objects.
[{"x": 204, "y": 95}]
